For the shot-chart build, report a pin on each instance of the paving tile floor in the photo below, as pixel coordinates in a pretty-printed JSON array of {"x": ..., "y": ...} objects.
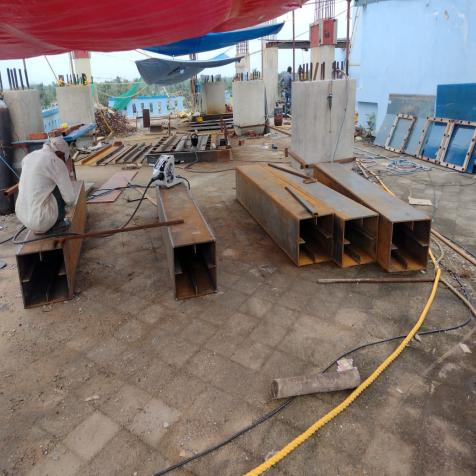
[{"x": 126, "y": 380}]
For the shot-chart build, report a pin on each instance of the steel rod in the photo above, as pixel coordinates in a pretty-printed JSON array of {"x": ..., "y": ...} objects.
[
  {"x": 292, "y": 172},
  {"x": 372, "y": 280},
  {"x": 26, "y": 74},
  {"x": 113, "y": 231},
  {"x": 454, "y": 247}
]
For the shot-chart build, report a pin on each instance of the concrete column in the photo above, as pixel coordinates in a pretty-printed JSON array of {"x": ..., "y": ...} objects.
[
  {"x": 213, "y": 98},
  {"x": 243, "y": 66},
  {"x": 25, "y": 112},
  {"x": 75, "y": 104},
  {"x": 326, "y": 54},
  {"x": 24, "y": 107},
  {"x": 322, "y": 133},
  {"x": 248, "y": 106},
  {"x": 270, "y": 77}
]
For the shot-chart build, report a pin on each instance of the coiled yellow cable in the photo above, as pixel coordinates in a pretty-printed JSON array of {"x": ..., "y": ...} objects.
[{"x": 357, "y": 392}]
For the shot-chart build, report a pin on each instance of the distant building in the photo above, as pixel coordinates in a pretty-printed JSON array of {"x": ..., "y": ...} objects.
[
  {"x": 51, "y": 118},
  {"x": 157, "y": 105},
  {"x": 409, "y": 47}
]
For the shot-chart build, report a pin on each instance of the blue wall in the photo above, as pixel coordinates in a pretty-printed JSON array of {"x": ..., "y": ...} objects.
[
  {"x": 409, "y": 47},
  {"x": 51, "y": 118},
  {"x": 157, "y": 105}
]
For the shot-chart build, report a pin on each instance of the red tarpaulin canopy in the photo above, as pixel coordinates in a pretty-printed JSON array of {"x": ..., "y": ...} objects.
[{"x": 39, "y": 27}]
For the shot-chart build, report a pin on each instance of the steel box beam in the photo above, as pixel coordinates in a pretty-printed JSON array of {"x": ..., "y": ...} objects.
[
  {"x": 355, "y": 226},
  {"x": 403, "y": 232},
  {"x": 190, "y": 247},
  {"x": 47, "y": 268},
  {"x": 305, "y": 238}
]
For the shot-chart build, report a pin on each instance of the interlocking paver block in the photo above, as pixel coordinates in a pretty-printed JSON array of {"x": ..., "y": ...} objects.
[{"x": 89, "y": 437}]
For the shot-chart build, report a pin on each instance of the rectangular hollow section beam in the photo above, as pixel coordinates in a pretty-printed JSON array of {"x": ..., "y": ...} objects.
[
  {"x": 47, "y": 268},
  {"x": 355, "y": 226},
  {"x": 403, "y": 232},
  {"x": 190, "y": 247},
  {"x": 284, "y": 213}
]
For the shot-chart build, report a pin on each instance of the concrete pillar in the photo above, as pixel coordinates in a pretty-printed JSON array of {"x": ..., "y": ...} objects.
[
  {"x": 213, "y": 98},
  {"x": 24, "y": 107},
  {"x": 322, "y": 133},
  {"x": 270, "y": 77},
  {"x": 82, "y": 63},
  {"x": 243, "y": 66},
  {"x": 75, "y": 104},
  {"x": 323, "y": 54},
  {"x": 25, "y": 112},
  {"x": 248, "y": 106}
]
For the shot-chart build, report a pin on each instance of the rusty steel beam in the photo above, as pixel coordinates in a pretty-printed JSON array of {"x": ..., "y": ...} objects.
[
  {"x": 190, "y": 247},
  {"x": 46, "y": 268},
  {"x": 355, "y": 226},
  {"x": 303, "y": 236},
  {"x": 403, "y": 232}
]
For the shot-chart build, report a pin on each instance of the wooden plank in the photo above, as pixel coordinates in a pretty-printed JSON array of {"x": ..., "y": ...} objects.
[{"x": 119, "y": 179}]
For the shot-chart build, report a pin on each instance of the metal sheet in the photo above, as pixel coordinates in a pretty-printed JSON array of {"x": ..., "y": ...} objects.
[
  {"x": 382, "y": 134},
  {"x": 433, "y": 140},
  {"x": 456, "y": 101},
  {"x": 415, "y": 134},
  {"x": 400, "y": 133},
  {"x": 460, "y": 150},
  {"x": 404, "y": 232},
  {"x": 419, "y": 105}
]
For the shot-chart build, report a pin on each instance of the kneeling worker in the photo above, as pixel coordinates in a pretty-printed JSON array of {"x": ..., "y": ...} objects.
[{"x": 45, "y": 188}]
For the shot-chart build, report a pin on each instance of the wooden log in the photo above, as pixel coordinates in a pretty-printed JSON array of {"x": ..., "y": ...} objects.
[{"x": 317, "y": 383}]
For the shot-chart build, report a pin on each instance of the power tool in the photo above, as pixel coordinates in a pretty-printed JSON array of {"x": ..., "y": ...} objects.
[{"x": 164, "y": 172}]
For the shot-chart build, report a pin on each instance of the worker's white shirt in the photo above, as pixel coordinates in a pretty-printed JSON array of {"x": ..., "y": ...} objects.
[{"x": 42, "y": 171}]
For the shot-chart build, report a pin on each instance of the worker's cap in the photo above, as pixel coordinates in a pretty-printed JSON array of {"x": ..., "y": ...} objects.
[{"x": 58, "y": 144}]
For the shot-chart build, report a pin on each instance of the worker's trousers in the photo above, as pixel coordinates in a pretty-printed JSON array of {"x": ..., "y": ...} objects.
[{"x": 61, "y": 205}]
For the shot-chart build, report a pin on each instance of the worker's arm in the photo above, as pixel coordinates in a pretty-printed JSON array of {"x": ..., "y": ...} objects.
[{"x": 64, "y": 182}]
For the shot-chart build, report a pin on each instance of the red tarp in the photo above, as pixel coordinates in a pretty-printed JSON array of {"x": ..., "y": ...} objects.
[{"x": 39, "y": 27}]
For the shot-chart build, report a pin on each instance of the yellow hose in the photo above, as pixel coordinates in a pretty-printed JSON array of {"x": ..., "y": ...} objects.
[{"x": 290, "y": 447}]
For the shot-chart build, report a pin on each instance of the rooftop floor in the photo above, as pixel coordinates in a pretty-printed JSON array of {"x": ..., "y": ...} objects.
[{"x": 124, "y": 379}]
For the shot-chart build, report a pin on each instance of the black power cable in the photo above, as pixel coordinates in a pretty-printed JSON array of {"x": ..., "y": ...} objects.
[
  {"x": 288, "y": 401},
  {"x": 152, "y": 180}
]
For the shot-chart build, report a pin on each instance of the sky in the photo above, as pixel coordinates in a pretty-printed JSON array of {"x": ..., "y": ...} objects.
[{"x": 107, "y": 66}]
